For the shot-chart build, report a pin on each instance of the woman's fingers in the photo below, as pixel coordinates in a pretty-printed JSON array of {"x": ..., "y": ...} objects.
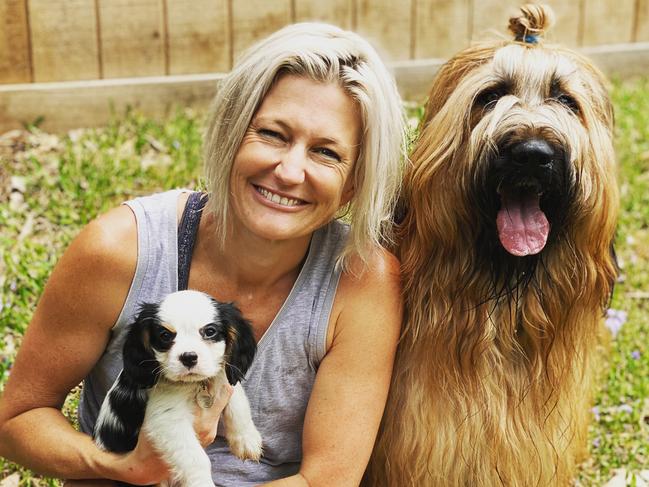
[{"x": 210, "y": 404}]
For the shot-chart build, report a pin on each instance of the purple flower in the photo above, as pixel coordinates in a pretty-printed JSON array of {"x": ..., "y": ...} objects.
[
  {"x": 625, "y": 408},
  {"x": 635, "y": 355},
  {"x": 614, "y": 320},
  {"x": 595, "y": 411},
  {"x": 596, "y": 442}
]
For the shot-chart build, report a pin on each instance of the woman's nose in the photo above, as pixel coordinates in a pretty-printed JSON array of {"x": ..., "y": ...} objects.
[{"x": 291, "y": 166}]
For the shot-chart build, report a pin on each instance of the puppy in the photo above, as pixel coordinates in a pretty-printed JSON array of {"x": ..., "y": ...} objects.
[{"x": 175, "y": 353}]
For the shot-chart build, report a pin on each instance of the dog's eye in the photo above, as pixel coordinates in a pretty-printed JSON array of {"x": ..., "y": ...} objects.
[
  {"x": 165, "y": 335},
  {"x": 489, "y": 97},
  {"x": 209, "y": 331},
  {"x": 569, "y": 102}
]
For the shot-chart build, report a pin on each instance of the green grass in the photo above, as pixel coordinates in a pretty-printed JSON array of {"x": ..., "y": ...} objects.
[{"x": 68, "y": 181}]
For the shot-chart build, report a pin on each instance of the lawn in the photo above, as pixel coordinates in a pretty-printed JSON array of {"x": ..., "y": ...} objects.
[{"x": 51, "y": 186}]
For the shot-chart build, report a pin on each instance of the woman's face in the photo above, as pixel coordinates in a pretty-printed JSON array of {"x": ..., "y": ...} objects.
[{"x": 293, "y": 169}]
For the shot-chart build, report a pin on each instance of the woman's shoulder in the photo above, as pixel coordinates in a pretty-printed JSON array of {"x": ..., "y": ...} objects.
[
  {"x": 107, "y": 245},
  {"x": 379, "y": 268},
  {"x": 368, "y": 302},
  {"x": 374, "y": 282}
]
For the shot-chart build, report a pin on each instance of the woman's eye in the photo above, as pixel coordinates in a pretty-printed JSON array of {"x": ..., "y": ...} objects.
[
  {"x": 328, "y": 153},
  {"x": 270, "y": 134},
  {"x": 209, "y": 331}
]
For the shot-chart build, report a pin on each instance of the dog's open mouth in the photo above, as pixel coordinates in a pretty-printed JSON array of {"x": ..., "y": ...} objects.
[{"x": 523, "y": 227}]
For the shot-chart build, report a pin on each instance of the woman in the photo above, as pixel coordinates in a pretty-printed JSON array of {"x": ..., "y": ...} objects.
[{"x": 308, "y": 124}]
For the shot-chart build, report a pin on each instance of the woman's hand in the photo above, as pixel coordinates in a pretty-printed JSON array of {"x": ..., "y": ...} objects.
[
  {"x": 143, "y": 465},
  {"x": 206, "y": 419}
]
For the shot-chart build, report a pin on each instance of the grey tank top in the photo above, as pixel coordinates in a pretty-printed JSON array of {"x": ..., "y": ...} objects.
[{"x": 279, "y": 382}]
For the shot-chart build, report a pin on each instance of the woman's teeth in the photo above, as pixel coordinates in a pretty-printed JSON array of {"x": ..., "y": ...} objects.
[{"x": 275, "y": 198}]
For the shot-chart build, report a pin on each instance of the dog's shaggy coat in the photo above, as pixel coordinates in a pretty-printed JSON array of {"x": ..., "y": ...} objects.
[{"x": 506, "y": 251}]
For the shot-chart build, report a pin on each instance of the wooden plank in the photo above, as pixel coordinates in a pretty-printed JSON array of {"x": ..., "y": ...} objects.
[
  {"x": 253, "y": 20},
  {"x": 492, "y": 16},
  {"x": 568, "y": 16},
  {"x": 642, "y": 21},
  {"x": 441, "y": 27},
  {"x": 337, "y": 12},
  {"x": 14, "y": 42},
  {"x": 64, "y": 39},
  {"x": 75, "y": 104},
  {"x": 608, "y": 22},
  {"x": 132, "y": 36},
  {"x": 387, "y": 24},
  {"x": 78, "y": 104},
  {"x": 199, "y": 36}
]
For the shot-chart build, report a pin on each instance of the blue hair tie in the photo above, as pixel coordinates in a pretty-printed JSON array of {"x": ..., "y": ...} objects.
[{"x": 531, "y": 39}]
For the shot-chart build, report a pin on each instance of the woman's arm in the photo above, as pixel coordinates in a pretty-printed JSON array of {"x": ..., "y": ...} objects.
[
  {"x": 352, "y": 382},
  {"x": 67, "y": 335}
]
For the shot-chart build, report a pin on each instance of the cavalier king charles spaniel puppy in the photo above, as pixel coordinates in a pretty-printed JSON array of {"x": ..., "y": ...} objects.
[{"x": 176, "y": 354}]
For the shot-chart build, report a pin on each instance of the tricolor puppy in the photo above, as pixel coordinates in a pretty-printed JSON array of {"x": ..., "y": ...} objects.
[{"x": 175, "y": 353}]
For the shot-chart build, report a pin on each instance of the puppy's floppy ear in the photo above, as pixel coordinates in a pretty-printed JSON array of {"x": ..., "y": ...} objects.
[
  {"x": 140, "y": 365},
  {"x": 240, "y": 342}
]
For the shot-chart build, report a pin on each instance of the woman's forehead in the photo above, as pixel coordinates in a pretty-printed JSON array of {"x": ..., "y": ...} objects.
[{"x": 323, "y": 107}]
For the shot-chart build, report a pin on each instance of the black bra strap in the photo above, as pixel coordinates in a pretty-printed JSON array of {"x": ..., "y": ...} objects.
[{"x": 187, "y": 230}]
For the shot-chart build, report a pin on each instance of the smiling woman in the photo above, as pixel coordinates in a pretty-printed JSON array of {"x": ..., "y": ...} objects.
[
  {"x": 306, "y": 127},
  {"x": 292, "y": 172}
]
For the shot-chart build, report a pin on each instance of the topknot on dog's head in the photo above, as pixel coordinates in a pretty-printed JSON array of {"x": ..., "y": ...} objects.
[{"x": 532, "y": 23}]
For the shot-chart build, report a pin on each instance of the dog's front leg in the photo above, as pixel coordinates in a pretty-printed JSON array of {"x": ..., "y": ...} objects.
[
  {"x": 240, "y": 431},
  {"x": 168, "y": 423}
]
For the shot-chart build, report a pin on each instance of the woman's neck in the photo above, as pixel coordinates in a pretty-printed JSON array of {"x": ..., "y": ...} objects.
[{"x": 248, "y": 261}]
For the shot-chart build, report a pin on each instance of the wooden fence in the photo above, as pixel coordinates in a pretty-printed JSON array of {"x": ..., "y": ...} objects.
[{"x": 62, "y": 40}]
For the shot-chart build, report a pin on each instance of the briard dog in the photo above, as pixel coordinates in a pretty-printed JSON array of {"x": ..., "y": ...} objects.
[{"x": 506, "y": 250}]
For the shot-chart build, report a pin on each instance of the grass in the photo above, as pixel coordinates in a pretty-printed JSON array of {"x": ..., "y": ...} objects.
[{"x": 50, "y": 187}]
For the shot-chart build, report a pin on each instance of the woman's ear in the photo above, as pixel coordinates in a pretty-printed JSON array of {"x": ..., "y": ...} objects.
[
  {"x": 240, "y": 342},
  {"x": 141, "y": 369}
]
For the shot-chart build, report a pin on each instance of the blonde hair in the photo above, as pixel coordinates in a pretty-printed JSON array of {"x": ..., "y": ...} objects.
[{"x": 322, "y": 53}]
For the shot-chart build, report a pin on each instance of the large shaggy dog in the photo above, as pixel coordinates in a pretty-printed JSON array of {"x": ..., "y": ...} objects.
[{"x": 506, "y": 251}]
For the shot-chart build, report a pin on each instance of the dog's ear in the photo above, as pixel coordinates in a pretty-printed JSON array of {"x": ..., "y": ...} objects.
[
  {"x": 140, "y": 365},
  {"x": 240, "y": 342}
]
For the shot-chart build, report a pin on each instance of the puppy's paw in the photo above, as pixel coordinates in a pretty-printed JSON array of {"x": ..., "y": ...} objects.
[{"x": 246, "y": 444}]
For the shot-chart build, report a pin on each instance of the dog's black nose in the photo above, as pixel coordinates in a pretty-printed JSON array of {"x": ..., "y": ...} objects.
[
  {"x": 533, "y": 152},
  {"x": 189, "y": 359}
]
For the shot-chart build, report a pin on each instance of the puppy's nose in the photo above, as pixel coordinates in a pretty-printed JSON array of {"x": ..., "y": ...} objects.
[
  {"x": 533, "y": 152},
  {"x": 189, "y": 359}
]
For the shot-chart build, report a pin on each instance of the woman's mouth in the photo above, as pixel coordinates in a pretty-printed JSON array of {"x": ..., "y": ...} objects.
[{"x": 278, "y": 199}]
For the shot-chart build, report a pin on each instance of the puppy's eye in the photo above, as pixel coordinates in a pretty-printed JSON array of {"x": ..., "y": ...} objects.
[
  {"x": 165, "y": 335},
  {"x": 209, "y": 332},
  {"x": 569, "y": 102}
]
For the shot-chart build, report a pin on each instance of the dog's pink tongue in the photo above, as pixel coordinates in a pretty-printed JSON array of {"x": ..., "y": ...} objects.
[{"x": 522, "y": 227}]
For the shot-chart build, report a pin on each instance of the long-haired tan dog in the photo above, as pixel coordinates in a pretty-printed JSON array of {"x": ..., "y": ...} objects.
[{"x": 506, "y": 250}]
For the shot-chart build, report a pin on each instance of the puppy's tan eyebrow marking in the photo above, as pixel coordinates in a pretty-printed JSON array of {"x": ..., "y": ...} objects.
[{"x": 168, "y": 327}]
